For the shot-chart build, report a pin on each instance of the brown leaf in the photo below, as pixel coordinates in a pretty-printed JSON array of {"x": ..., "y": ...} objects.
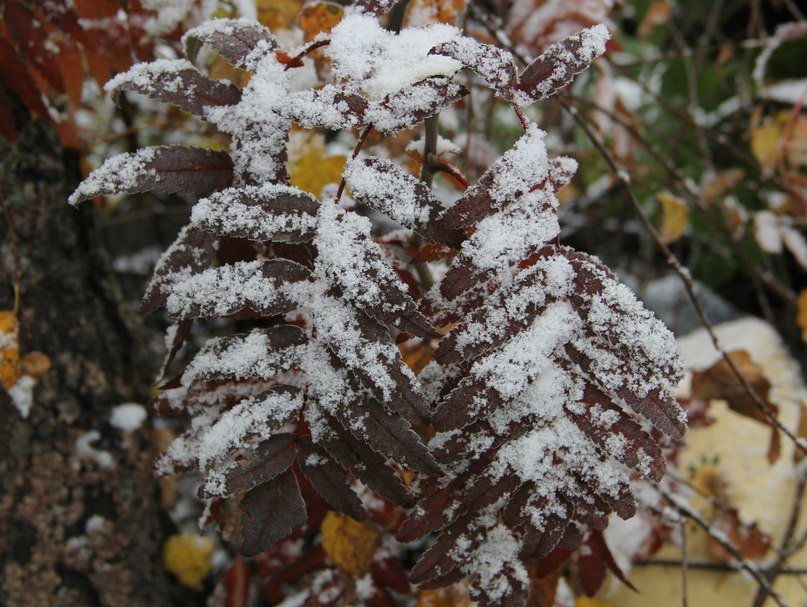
[
  {"x": 365, "y": 464},
  {"x": 268, "y": 213},
  {"x": 558, "y": 65},
  {"x": 269, "y": 512},
  {"x": 389, "y": 434},
  {"x": 494, "y": 64},
  {"x": 719, "y": 382},
  {"x": 752, "y": 543},
  {"x": 191, "y": 252}
]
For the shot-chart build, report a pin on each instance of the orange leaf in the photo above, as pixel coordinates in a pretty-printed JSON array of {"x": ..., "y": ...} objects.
[
  {"x": 320, "y": 18},
  {"x": 9, "y": 349}
]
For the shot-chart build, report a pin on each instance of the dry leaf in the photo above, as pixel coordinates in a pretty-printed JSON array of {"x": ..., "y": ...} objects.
[
  {"x": 674, "y": 217},
  {"x": 35, "y": 364},
  {"x": 9, "y": 349},
  {"x": 320, "y": 18},
  {"x": 749, "y": 540},
  {"x": 718, "y": 382},
  {"x": 349, "y": 544},
  {"x": 453, "y": 596}
]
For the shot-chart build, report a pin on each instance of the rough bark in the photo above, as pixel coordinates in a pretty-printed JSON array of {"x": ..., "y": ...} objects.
[{"x": 72, "y": 531}]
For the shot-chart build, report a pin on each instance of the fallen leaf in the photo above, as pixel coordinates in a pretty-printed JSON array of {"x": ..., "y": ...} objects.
[
  {"x": 719, "y": 382},
  {"x": 35, "y": 364},
  {"x": 349, "y": 544},
  {"x": 749, "y": 540}
]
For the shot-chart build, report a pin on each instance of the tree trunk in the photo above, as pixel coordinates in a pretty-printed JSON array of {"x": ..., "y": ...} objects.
[{"x": 77, "y": 526}]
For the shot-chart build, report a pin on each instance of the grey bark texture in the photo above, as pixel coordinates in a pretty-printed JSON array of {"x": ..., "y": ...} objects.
[{"x": 73, "y": 532}]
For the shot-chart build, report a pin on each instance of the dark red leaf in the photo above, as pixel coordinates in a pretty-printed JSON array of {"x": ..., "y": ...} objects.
[{"x": 269, "y": 512}]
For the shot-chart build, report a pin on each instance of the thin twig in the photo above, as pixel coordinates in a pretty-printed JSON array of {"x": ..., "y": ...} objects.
[
  {"x": 684, "y": 510},
  {"x": 359, "y": 144}
]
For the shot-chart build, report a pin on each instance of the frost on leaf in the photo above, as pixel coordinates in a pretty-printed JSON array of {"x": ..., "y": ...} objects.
[
  {"x": 163, "y": 170},
  {"x": 548, "y": 386},
  {"x": 240, "y": 41},
  {"x": 561, "y": 62},
  {"x": 178, "y": 82}
]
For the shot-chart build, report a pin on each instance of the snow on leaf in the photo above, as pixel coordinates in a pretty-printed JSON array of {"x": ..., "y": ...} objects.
[
  {"x": 191, "y": 252},
  {"x": 412, "y": 105},
  {"x": 495, "y": 65},
  {"x": 253, "y": 285},
  {"x": 242, "y": 42},
  {"x": 561, "y": 62},
  {"x": 271, "y": 457},
  {"x": 269, "y": 212},
  {"x": 163, "y": 170},
  {"x": 178, "y": 82},
  {"x": 327, "y": 107},
  {"x": 382, "y": 185},
  {"x": 350, "y": 260}
]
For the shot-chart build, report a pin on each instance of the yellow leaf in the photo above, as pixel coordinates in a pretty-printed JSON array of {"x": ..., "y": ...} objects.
[
  {"x": 349, "y": 544},
  {"x": 278, "y": 14},
  {"x": 9, "y": 349},
  {"x": 674, "y": 217},
  {"x": 765, "y": 143},
  {"x": 220, "y": 69},
  {"x": 319, "y": 18},
  {"x": 309, "y": 167},
  {"x": 801, "y": 313},
  {"x": 187, "y": 556}
]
